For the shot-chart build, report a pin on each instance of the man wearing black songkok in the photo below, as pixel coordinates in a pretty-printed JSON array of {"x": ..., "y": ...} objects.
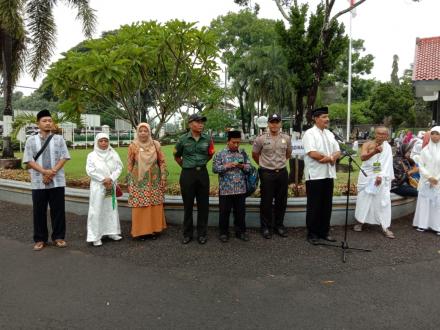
[
  {"x": 321, "y": 152},
  {"x": 231, "y": 164}
]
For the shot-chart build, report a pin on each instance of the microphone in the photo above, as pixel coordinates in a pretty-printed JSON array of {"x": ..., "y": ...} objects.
[{"x": 336, "y": 135}]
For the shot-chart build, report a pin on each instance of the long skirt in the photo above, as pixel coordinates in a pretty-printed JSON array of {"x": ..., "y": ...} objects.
[
  {"x": 102, "y": 219},
  {"x": 147, "y": 220},
  {"x": 427, "y": 214}
]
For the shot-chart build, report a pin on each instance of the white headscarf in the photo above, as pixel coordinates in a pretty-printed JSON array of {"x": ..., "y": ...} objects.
[
  {"x": 430, "y": 157},
  {"x": 108, "y": 155},
  {"x": 104, "y": 154}
]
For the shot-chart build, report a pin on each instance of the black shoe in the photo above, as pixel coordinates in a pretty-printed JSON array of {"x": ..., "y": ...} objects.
[
  {"x": 243, "y": 236},
  {"x": 313, "y": 240},
  {"x": 266, "y": 233},
  {"x": 186, "y": 240},
  {"x": 223, "y": 238},
  {"x": 202, "y": 239},
  {"x": 329, "y": 238},
  {"x": 282, "y": 231}
]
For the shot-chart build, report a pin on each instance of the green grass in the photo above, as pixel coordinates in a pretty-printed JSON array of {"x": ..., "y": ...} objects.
[{"x": 75, "y": 167}]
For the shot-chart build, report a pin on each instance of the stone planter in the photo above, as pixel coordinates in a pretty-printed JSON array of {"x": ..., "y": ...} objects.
[{"x": 77, "y": 201}]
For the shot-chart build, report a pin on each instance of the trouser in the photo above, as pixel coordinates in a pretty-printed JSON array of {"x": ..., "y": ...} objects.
[
  {"x": 319, "y": 206},
  {"x": 237, "y": 204},
  {"x": 273, "y": 202},
  {"x": 292, "y": 166},
  {"x": 53, "y": 197},
  {"x": 405, "y": 191},
  {"x": 194, "y": 183}
]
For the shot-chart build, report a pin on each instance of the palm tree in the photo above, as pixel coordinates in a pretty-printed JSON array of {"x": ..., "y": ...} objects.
[{"x": 30, "y": 46}]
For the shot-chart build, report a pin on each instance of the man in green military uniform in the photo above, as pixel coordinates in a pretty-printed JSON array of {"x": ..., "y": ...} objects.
[{"x": 192, "y": 152}]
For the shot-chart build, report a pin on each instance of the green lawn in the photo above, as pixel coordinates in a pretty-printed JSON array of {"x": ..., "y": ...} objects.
[{"x": 75, "y": 168}]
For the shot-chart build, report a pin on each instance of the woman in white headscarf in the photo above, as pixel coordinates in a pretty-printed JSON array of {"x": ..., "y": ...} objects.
[
  {"x": 428, "y": 202},
  {"x": 146, "y": 184},
  {"x": 103, "y": 167}
]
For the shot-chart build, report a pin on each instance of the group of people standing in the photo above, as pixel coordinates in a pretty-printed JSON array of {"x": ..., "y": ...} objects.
[
  {"x": 45, "y": 154},
  {"x": 414, "y": 171}
]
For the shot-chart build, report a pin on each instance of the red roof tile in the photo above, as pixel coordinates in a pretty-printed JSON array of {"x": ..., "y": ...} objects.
[{"x": 427, "y": 59}]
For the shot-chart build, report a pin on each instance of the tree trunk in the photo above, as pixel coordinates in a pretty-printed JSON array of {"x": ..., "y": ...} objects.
[
  {"x": 6, "y": 40},
  {"x": 157, "y": 129},
  {"x": 299, "y": 110},
  {"x": 243, "y": 123}
]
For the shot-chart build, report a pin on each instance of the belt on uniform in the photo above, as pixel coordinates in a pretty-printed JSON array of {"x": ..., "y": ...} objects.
[
  {"x": 196, "y": 168},
  {"x": 272, "y": 171}
]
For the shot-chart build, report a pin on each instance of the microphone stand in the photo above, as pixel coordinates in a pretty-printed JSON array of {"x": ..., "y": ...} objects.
[{"x": 344, "y": 244}]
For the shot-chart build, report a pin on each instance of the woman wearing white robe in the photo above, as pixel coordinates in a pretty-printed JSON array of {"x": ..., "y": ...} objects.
[
  {"x": 373, "y": 203},
  {"x": 427, "y": 214},
  {"x": 103, "y": 167}
]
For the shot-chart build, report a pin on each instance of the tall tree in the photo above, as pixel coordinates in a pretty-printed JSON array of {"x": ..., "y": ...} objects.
[
  {"x": 310, "y": 54},
  {"x": 27, "y": 27},
  {"x": 143, "y": 71},
  {"x": 252, "y": 59},
  {"x": 395, "y": 70},
  {"x": 393, "y": 104},
  {"x": 319, "y": 45}
]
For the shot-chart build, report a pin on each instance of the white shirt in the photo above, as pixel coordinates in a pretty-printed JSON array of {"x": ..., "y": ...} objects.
[
  {"x": 324, "y": 142},
  {"x": 55, "y": 151}
]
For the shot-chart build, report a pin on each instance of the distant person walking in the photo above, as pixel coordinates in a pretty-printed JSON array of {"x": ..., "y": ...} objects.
[
  {"x": 104, "y": 168},
  {"x": 45, "y": 154}
]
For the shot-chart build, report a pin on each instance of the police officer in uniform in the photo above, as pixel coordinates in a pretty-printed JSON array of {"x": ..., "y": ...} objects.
[
  {"x": 270, "y": 151},
  {"x": 192, "y": 151}
]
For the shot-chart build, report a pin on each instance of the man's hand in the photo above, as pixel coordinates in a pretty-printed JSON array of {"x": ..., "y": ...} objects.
[
  {"x": 327, "y": 159},
  {"x": 47, "y": 179},
  {"x": 231, "y": 165},
  {"x": 378, "y": 181},
  {"x": 433, "y": 181},
  {"x": 48, "y": 172},
  {"x": 163, "y": 182},
  {"x": 378, "y": 149}
]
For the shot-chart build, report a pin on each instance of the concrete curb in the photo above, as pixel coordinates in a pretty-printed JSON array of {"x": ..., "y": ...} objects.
[{"x": 77, "y": 202}]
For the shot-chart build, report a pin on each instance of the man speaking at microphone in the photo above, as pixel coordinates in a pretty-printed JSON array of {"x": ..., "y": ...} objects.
[{"x": 321, "y": 153}]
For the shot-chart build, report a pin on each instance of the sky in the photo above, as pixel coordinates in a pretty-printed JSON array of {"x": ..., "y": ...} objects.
[{"x": 388, "y": 26}]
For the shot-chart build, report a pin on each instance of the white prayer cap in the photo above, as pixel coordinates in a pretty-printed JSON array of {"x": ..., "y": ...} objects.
[{"x": 421, "y": 134}]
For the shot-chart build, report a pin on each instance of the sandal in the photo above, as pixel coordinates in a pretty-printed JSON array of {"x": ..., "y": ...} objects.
[
  {"x": 39, "y": 246},
  {"x": 389, "y": 234},
  {"x": 60, "y": 243}
]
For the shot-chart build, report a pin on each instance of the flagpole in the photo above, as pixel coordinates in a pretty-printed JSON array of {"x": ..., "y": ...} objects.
[{"x": 349, "y": 83}]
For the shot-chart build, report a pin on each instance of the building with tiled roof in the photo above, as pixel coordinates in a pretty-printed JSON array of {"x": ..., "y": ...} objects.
[{"x": 426, "y": 72}]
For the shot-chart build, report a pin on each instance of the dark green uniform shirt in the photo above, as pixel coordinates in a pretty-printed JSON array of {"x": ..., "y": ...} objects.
[{"x": 194, "y": 153}]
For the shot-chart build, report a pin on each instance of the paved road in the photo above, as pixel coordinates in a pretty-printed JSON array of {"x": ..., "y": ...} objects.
[{"x": 276, "y": 284}]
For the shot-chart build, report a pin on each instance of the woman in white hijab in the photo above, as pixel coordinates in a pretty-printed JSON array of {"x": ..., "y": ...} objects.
[
  {"x": 428, "y": 202},
  {"x": 103, "y": 167}
]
